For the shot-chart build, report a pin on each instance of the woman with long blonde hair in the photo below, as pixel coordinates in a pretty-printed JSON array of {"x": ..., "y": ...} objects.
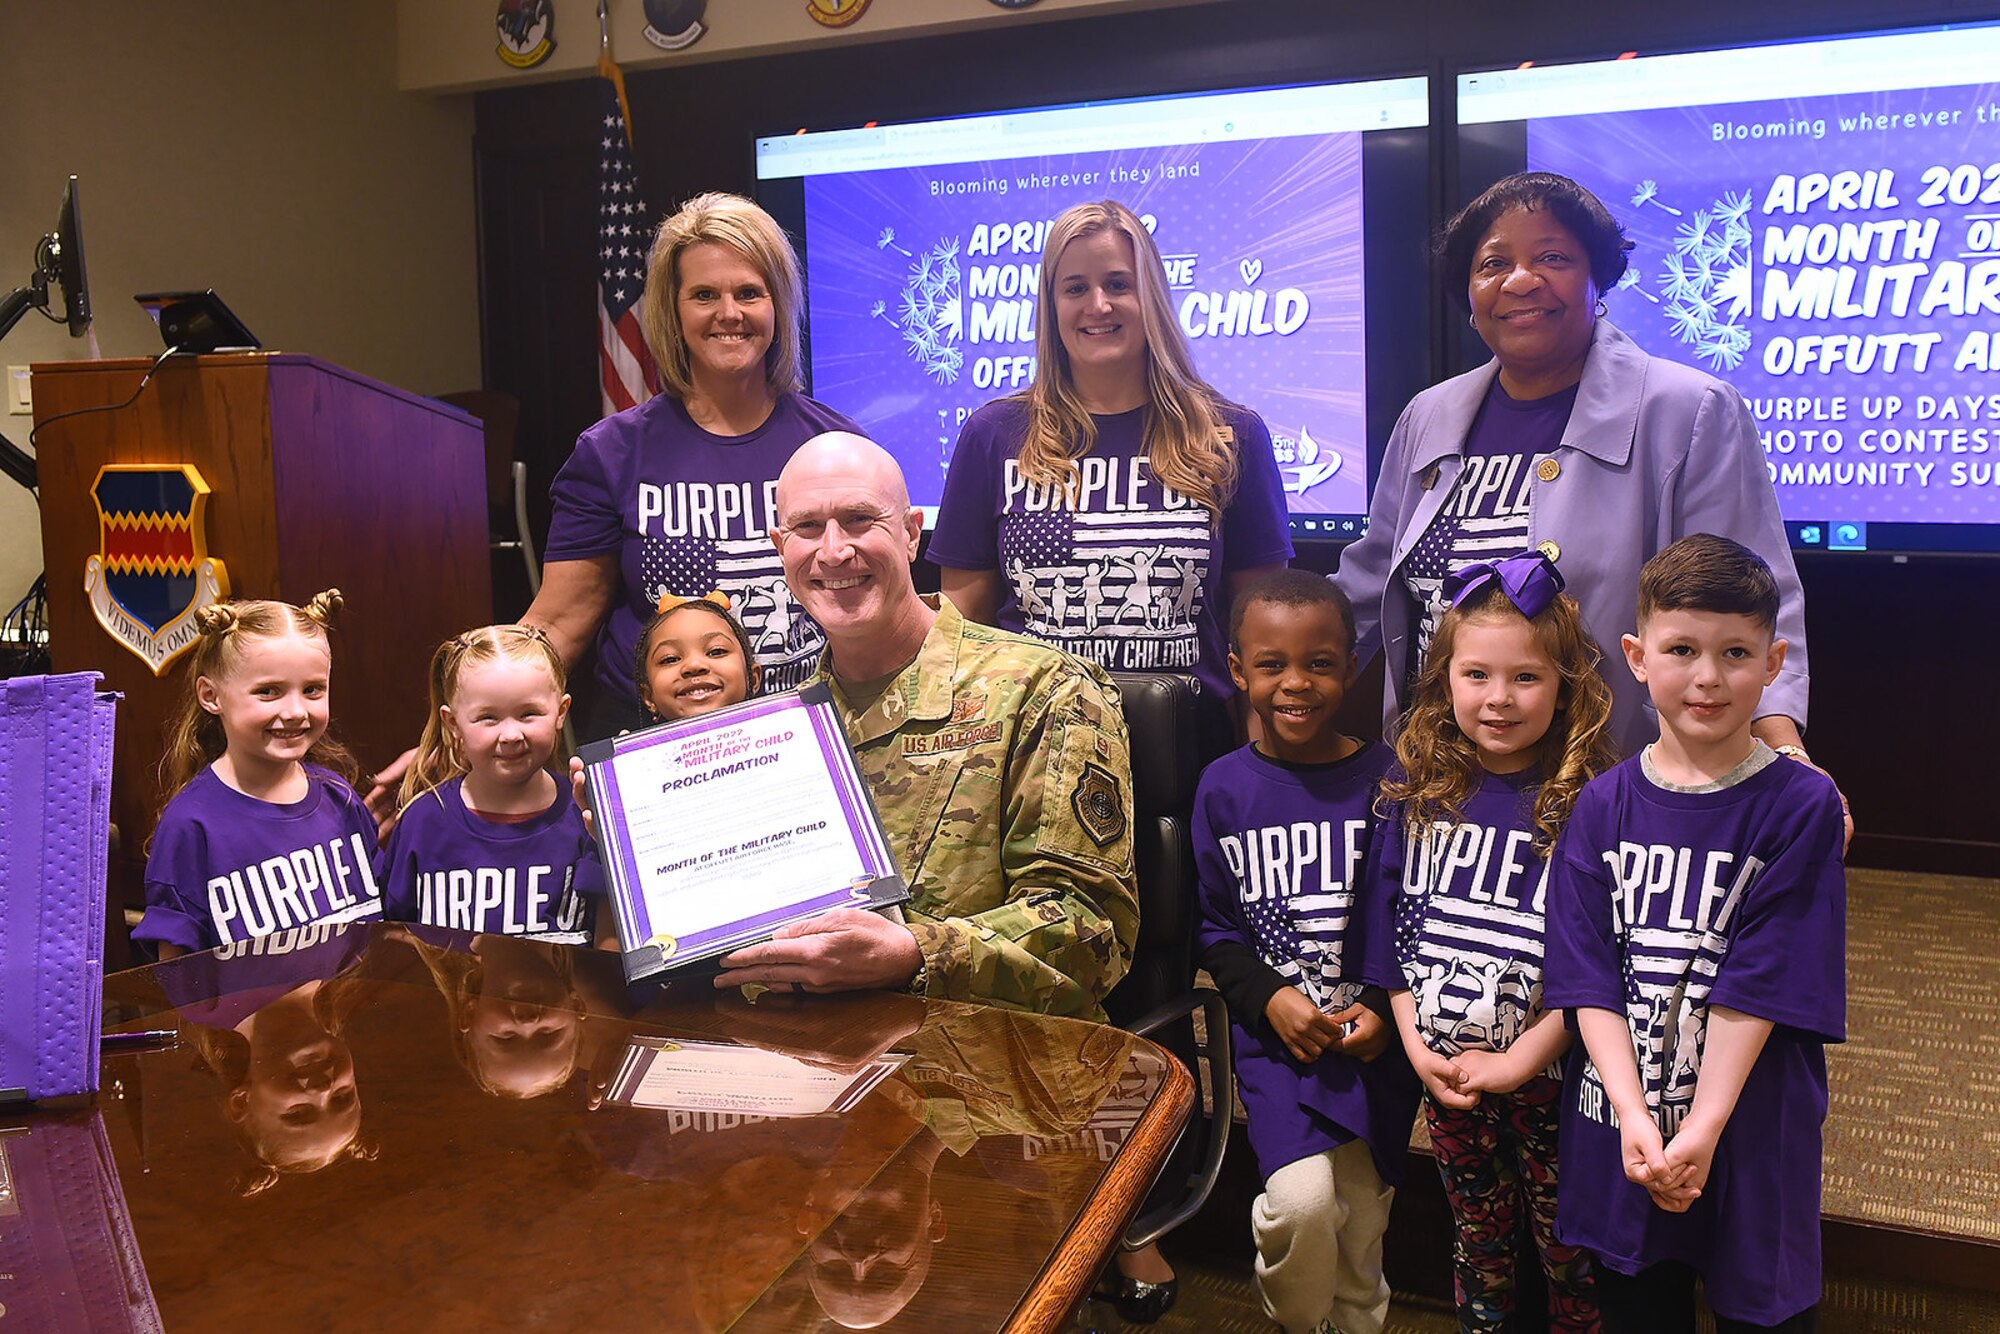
[{"x": 1116, "y": 505}]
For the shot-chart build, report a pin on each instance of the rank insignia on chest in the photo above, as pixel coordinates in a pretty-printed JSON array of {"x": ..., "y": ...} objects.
[{"x": 1098, "y": 809}]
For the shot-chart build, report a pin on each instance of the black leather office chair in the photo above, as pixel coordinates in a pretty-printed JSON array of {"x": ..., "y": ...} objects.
[{"x": 1169, "y": 721}]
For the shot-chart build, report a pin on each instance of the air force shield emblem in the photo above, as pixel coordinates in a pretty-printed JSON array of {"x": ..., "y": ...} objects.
[{"x": 152, "y": 570}]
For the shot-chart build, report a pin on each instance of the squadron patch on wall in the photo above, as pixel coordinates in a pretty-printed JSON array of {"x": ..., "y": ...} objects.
[
  {"x": 1097, "y": 806},
  {"x": 674, "y": 24},
  {"x": 152, "y": 571},
  {"x": 836, "y": 13},
  {"x": 527, "y": 31}
]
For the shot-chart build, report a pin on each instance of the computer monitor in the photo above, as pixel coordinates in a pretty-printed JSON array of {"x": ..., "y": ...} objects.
[
  {"x": 67, "y": 246},
  {"x": 197, "y": 322},
  {"x": 59, "y": 263}
]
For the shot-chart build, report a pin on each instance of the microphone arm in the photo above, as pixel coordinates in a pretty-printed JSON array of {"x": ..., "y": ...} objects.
[
  {"x": 18, "y": 464},
  {"x": 15, "y": 304}
]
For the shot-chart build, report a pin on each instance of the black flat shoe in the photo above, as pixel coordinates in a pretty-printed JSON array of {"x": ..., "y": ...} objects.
[{"x": 1136, "y": 1301}]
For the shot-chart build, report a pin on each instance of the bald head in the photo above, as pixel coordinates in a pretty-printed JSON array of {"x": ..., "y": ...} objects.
[
  {"x": 847, "y": 536},
  {"x": 853, "y": 460}
]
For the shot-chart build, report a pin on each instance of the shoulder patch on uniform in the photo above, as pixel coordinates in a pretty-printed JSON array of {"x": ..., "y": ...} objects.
[{"x": 1097, "y": 806}]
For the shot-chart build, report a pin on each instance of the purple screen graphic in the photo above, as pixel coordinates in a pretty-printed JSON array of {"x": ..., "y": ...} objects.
[
  {"x": 921, "y": 284},
  {"x": 1837, "y": 259}
]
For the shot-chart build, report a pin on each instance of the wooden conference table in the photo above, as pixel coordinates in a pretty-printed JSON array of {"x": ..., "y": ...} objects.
[{"x": 474, "y": 1132}]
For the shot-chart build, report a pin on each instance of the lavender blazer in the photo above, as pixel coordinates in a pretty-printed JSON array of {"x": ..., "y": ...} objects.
[{"x": 1653, "y": 451}]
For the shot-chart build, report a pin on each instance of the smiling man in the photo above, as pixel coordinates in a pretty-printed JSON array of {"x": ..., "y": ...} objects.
[{"x": 999, "y": 767}]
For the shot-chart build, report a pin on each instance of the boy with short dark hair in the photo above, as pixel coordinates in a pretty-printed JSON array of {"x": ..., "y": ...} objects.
[
  {"x": 1696, "y": 930},
  {"x": 1282, "y": 831}
]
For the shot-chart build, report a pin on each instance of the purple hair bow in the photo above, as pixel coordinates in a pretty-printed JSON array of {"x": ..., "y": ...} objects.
[{"x": 1530, "y": 580}]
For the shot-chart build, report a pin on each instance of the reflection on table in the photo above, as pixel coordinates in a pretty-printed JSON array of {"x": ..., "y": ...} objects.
[{"x": 370, "y": 1127}]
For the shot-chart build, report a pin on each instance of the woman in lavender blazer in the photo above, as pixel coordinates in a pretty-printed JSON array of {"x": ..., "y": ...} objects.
[{"x": 1572, "y": 439}]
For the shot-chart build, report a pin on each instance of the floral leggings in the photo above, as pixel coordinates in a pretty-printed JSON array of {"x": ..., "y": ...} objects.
[{"x": 1498, "y": 1161}]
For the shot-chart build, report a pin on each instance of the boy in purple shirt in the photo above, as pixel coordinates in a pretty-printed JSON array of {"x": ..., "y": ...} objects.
[
  {"x": 1696, "y": 929},
  {"x": 1281, "y": 832}
]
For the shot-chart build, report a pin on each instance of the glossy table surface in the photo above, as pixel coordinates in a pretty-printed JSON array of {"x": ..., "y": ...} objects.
[{"x": 369, "y": 1128}]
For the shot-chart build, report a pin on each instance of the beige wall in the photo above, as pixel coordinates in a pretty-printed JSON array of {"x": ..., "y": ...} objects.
[
  {"x": 450, "y": 44},
  {"x": 260, "y": 149}
]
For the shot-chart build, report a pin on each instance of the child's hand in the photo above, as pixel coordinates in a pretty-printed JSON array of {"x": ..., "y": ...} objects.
[
  {"x": 1643, "y": 1154},
  {"x": 1302, "y": 1026},
  {"x": 1489, "y": 1072},
  {"x": 1441, "y": 1076},
  {"x": 381, "y": 798},
  {"x": 1690, "y": 1156},
  {"x": 576, "y": 788},
  {"x": 1368, "y": 1038}
]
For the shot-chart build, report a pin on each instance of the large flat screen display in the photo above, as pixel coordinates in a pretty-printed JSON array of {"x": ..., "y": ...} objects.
[
  {"x": 1817, "y": 222},
  {"x": 922, "y": 244}
]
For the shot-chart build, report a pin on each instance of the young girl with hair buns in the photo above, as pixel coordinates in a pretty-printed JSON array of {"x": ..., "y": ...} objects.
[
  {"x": 488, "y": 840},
  {"x": 262, "y": 830}
]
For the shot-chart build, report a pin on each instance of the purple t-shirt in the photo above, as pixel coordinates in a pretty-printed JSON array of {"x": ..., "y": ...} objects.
[
  {"x": 1462, "y": 908},
  {"x": 687, "y": 512},
  {"x": 1661, "y": 904},
  {"x": 1132, "y": 575},
  {"x": 1280, "y": 850},
  {"x": 445, "y": 866},
  {"x": 222, "y": 987},
  {"x": 227, "y": 867},
  {"x": 1486, "y": 515}
]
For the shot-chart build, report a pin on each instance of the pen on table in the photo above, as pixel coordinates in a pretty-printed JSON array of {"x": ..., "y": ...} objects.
[{"x": 138, "y": 1040}]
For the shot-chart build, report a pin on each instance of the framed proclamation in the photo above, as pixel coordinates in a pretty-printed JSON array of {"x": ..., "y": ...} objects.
[{"x": 719, "y": 829}]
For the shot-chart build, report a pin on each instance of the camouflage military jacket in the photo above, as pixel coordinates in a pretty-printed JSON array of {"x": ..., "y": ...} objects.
[{"x": 1001, "y": 772}]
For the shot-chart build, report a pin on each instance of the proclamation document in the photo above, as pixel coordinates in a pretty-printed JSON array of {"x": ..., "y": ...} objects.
[
  {"x": 683, "y": 1074},
  {"x": 719, "y": 829}
]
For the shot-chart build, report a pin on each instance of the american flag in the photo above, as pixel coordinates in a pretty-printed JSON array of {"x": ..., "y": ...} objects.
[{"x": 625, "y": 371}]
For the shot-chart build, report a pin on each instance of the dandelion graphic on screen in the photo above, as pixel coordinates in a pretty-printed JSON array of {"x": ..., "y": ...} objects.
[
  {"x": 929, "y": 311},
  {"x": 1705, "y": 282}
]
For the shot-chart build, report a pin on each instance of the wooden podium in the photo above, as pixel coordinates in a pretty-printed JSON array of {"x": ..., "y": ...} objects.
[{"x": 319, "y": 478}]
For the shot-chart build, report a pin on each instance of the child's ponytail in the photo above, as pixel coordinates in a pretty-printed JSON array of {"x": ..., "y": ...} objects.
[
  {"x": 324, "y": 607},
  {"x": 437, "y": 760}
]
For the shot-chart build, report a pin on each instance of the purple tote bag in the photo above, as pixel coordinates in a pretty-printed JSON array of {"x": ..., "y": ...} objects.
[
  {"x": 66, "y": 1244},
  {"x": 55, "y": 823}
]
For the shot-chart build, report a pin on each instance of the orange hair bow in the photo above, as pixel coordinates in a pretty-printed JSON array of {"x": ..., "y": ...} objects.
[{"x": 668, "y": 601}]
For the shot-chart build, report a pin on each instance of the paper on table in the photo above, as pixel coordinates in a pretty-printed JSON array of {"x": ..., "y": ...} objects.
[{"x": 750, "y": 1081}]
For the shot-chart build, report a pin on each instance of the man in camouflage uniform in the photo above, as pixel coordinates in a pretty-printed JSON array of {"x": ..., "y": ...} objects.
[{"x": 999, "y": 766}]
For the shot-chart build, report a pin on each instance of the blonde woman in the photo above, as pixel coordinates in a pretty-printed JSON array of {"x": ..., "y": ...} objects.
[
  {"x": 1115, "y": 506},
  {"x": 683, "y": 483},
  {"x": 674, "y": 496}
]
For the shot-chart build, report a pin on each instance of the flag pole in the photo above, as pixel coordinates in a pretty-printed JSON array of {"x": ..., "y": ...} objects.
[{"x": 608, "y": 69}]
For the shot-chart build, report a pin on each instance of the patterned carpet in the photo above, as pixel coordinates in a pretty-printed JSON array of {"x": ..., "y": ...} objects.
[
  {"x": 1913, "y": 1137},
  {"x": 1221, "y": 1300}
]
